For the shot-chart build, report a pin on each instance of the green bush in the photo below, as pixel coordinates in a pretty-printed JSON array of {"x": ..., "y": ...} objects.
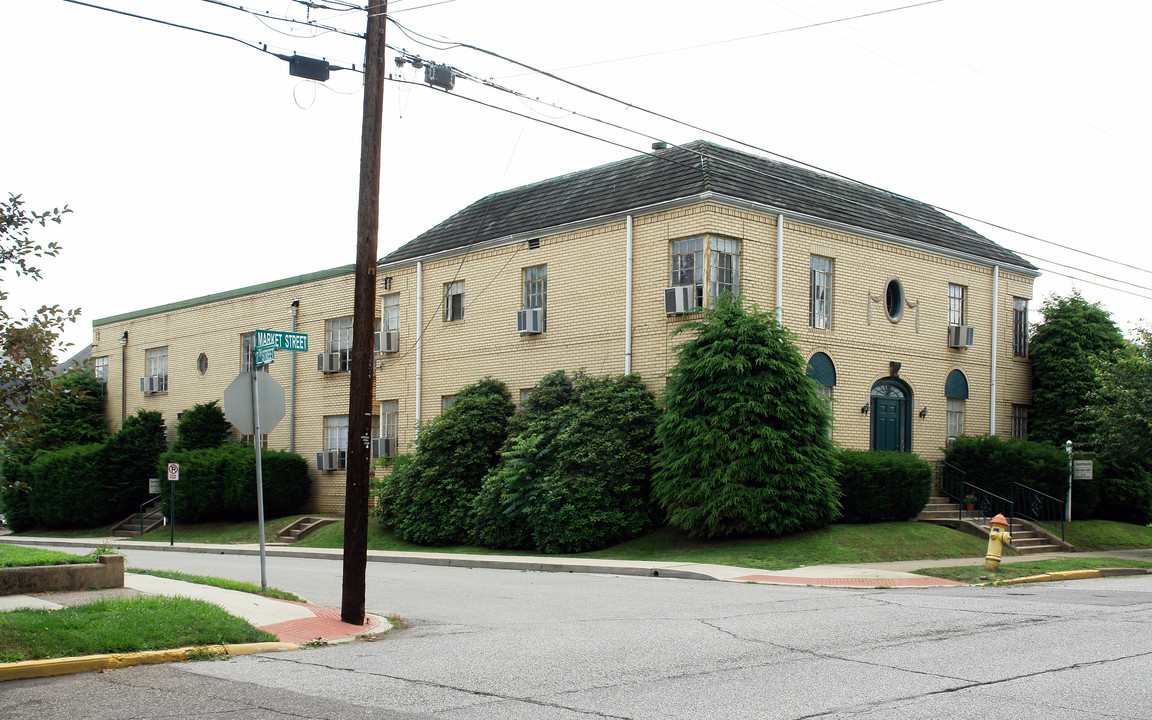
[
  {"x": 744, "y": 434},
  {"x": 130, "y": 458},
  {"x": 880, "y": 486},
  {"x": 202, "y": 426},
  {"x": 14, "y": 497},
  {"x": 75, "y": 415},
  {"x": 994, "y": 463},
  {"x": 575, "y": 475},
  {"x": 220, "y": 483},
  {"x": 65, "y": 488},
  {"x": 428, "y": 499}
]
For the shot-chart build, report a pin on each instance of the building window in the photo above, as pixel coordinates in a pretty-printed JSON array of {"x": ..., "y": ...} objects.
[
  {"x": 894, "y": 300},
  {"x": 247, "y": 351},
  {"x": 338, "y": 340},
  {"x": 390, "y": 313},
  {"x": 156, "y": 366},
  {"x": 524, "y": 395},
  {"x": 454, "y": 300},
  {"x": 202, "y": 364},
  {"x": 336, "y": 437},
  {"x": 247, "y": 440},
  {"x": 1020, "y": 421},
  {"x": 536, "y": 291},
  {"x": 1020, "y": 330},
  {"x": 826, "y": 393},
  {"x": 955, "y": 420},
  {"x": 446, "y": 401},
  {"x": 688, "y": 266},
  {"x": 820, "y": 292},
  {"x": 724, "y": 267},
  {"x": 389, "y": 420},
  {"x": 100, "y": 372},
  {"x": 956, "y": 297}
]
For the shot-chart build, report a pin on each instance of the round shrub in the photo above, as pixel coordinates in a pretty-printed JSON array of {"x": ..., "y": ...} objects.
[
  {"x": 202, "y": 426},
  {"x": 881, "y": 486},
  {"x": 428, "y": 499}
]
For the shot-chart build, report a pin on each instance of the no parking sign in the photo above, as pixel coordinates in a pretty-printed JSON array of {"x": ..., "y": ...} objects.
[{"x": 173, "y": 472}]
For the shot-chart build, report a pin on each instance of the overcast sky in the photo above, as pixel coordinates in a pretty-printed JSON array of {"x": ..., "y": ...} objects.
[{"x": 195, "y": 164}]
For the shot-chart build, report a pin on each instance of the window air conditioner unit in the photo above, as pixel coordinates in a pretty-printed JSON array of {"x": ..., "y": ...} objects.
[
  {"x": 961, "y": 336},
  {"x": 328, "y": 362},
  {"x": 383, "y": 447},
  {"x": 328, "y": 460},
  {"x": 530, "y": 322},
  {"x": 679, "y": 300},
  {"x": 148, "y": 384},
  {"x": 386, "y": 341}
]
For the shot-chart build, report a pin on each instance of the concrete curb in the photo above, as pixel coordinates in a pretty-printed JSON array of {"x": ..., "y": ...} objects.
[
  {"x": 68, "y": 666},
  {"x": 1070, "y": 575}
]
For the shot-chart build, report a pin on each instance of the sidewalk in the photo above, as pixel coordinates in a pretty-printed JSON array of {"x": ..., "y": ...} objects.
[{"x": 886, "y": 575}]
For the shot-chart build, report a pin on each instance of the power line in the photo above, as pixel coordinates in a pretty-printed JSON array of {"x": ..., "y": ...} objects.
[{"x": 261, "y": 14}]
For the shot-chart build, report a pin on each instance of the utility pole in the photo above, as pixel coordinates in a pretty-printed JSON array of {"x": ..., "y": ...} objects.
[{"x": 362, "y": 360}]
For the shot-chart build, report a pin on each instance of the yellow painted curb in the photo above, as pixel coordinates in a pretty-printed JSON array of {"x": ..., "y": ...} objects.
[
  {"x": 1049, "y": 577},
  {"x": 87, "y": 663}
]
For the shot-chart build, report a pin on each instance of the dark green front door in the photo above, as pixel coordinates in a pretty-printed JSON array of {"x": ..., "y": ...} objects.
[{"x": 889, "y": 416}]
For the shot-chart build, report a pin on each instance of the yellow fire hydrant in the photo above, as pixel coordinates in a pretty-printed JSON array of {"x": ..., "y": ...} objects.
[{"x": 997, "y": 537}]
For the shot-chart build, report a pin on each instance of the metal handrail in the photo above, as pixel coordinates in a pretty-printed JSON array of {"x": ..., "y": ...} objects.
[
  {"x": 141, "y": 512},
  {"x": 1039, "y": 507},
  {"x": 953, "y": 484}
]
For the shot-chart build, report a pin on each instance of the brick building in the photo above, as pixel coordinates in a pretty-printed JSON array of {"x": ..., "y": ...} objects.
[{"x": 914, "y": 325}]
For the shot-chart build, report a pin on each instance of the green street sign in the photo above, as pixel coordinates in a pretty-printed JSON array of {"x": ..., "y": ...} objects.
[
  {"x": 281, "y": 340},
  {"x": 265, "y": 355}
]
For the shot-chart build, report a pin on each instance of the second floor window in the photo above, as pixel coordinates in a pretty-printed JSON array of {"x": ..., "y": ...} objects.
[
  {"x": 724, "y": 267},
  {"x": 956, "y": 297},
  {"x": 100, "y": 372},
  {"x": 338, "y": 339},
  {"x": 688, "y": 266},
  {"x": 390, "y": 315},
  {"x": 156, "y": 366},
  {"x": 1020, "y": 327},
  {"x": 454, "y": 300},
  {"x": 820, "y": 292}
]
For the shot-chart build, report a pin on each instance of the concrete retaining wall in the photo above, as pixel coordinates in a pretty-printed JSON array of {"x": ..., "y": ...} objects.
[{"x": 108, "y": 573}]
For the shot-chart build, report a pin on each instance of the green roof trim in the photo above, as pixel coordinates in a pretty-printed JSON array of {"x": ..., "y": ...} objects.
[
  {"x": 956, "y": 386},
  {"x": 229, "y": 294},
  {"x": 822, "y": 370}
]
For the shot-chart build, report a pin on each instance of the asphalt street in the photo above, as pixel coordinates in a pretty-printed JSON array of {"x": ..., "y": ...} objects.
[{"x": 505, "y": 644}]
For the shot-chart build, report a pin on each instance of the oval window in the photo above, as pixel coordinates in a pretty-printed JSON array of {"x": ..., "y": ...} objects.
[
  {"x": 894, "y": 300},
  {"x": 202, "y": 363}
]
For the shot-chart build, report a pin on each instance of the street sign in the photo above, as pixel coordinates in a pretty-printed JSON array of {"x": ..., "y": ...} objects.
[
  {"x": 173, "y": 472},
  {"x": 265, "y": 354},
  {"x": 238, "y": 403},
  {"x": 1082, "y": 469},
  {"x": 281, "y": 340}
]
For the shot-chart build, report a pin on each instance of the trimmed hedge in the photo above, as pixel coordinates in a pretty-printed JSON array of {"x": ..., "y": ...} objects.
[
  {"x": 64, "y": 488},
  {"x": 882, "y": 486},
  {"x": 220, "y": 483},
  {"x": 994, "y": 463}
]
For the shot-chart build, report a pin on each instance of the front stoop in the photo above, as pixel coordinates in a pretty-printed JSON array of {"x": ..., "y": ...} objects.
[
  {"x": 1027, "y": 539},
  {"x": 130, "y": 526}
]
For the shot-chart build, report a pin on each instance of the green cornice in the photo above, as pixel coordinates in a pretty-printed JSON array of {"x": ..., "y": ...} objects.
[{"x": 229, "y": 294}]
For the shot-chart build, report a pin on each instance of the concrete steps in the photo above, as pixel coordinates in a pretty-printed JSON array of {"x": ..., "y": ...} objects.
[
  {"x": 302, "y": 527},
  {"x": 1027, "y": 539},
  {"x": 130, "y": 526}
]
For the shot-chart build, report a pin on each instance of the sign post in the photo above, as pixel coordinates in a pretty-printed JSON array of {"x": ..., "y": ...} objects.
[
  {"x": 244, "y": 406},
  {"x": 173, "y": 476}
]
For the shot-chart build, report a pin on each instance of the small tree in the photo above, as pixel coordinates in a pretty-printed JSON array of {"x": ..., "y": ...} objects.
[
  {"x": 428, "y": 500},
  {"x": 29, "y": 343},
  {"x": 744, "y": 431},
  {"x": 1062, "y": 348},
  {"x": 201, "y": 427}
]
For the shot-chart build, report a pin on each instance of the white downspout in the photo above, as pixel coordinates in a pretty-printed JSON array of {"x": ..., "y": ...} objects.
[
  {"x": 995, "y": 333},
  {"x": 628, "y": 298},
  {"x": 780, "y": 267},
  {"x": 419, "y": 338}
]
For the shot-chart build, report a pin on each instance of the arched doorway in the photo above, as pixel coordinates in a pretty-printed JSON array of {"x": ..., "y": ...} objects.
[{"x": 891, "y": 416}]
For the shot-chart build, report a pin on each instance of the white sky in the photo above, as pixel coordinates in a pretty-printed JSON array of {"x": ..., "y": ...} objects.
[{"x": 196, "y": 165}]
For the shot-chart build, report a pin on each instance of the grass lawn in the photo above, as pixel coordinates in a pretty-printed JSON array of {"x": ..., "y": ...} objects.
[
  {"x": 221, "y": 583},
  {"x": 1093, "y": 535},
  {"x": 116, "y": 626},
  {"x": 20, "y": 556},
  {"x": 221, "y": 532},
  {"x": 976, "y": 573}
]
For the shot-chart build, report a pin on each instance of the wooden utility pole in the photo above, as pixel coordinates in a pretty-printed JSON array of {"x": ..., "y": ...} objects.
[{"x": 362, "y": 360}]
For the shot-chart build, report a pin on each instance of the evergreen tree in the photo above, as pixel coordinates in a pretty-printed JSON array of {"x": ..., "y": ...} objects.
[
  {"x": 1063, "y": 347},
  {"x": 201, "y": 427},
  {"x": 744, "y": 431}
]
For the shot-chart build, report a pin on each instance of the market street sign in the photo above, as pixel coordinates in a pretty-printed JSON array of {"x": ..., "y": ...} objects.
[{"x": 281, "y": 340}]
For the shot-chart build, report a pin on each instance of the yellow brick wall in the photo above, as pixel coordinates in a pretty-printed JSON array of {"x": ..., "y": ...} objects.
[{"x": 586, "y": 327}]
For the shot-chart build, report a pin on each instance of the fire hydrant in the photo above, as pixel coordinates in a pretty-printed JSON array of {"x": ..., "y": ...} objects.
[{"x": 997, "y": 537}]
